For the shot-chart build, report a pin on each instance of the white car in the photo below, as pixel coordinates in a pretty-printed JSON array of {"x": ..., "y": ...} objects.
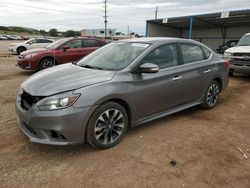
[
  {"x": 239, "y": 56},
  {"x": 29, "y": 44}
]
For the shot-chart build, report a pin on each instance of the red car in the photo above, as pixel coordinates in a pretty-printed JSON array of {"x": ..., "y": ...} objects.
[{"x": 62, "y": 51}]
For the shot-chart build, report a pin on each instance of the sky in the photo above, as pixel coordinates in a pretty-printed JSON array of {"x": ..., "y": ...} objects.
[{"x": 88, "y": 14}]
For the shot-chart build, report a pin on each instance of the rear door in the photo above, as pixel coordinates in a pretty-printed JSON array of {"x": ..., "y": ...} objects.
[
  {"x": 42, "y": 43},
  {"x": 90, "y": 45},
  {"x": 196, "y": 73}
]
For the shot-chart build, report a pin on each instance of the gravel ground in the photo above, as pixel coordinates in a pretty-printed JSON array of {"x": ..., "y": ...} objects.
[{"x": 204, "y": 144}]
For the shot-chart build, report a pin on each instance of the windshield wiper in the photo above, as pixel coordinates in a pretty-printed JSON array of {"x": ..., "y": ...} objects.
[{"x": 91, "y": 67}]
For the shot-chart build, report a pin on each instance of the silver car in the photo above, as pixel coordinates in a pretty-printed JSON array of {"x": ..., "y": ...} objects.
[{"x": 121, "y": 85}]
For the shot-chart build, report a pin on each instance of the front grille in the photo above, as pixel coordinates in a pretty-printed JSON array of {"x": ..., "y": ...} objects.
[
  {"x": 27, "y": 100},
  {"x": 241, "y": 54},
  {"x": 245, "y": 57}
]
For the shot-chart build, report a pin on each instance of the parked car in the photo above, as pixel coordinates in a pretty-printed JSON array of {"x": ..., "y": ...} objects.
[
  {"x": 29, "y": 44},
  {"x": 62, "y": 51},
  {"x": 3, "y": 37},
  {"x": 239, "y": 56},
  {"x": 9, "y": 37},
  {"x": 122, "y": 84},
  {"x": 229, "y": 44}
]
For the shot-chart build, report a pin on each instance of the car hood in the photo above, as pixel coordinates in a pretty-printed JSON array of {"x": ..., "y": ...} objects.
[
  {"x": 15, "y": 44},
  {"x": 239, "y": 49},
  {"x": 37, "y": 50},
  {"x": 63, "y": 78}
]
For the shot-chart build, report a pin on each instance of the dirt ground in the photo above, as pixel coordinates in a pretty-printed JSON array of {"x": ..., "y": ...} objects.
[{"x": 204, "y": 144}]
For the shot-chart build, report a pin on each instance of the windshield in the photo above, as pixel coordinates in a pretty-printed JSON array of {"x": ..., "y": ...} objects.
[
  {"x": 57, "y": 44},
  {"x": 114, "y": 56},
  {"x": 244, "y": 41}
]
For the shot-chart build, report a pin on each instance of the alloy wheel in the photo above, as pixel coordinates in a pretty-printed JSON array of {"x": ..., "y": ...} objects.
[
  {"x": 109, "y": 126},
  {"x": 213, "y": 94}
]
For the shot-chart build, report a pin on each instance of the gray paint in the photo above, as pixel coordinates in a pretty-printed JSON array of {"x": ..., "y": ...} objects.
[{"x": 148, "y": 95}]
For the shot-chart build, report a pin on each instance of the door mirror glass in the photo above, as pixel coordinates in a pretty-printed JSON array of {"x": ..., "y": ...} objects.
[{"x": 149, "y": 68}]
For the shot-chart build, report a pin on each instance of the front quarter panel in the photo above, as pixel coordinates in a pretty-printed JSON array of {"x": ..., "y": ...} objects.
[{"x": 120, "y": 87}]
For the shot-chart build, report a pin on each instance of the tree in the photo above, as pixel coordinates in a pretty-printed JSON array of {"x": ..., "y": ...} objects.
[
  {"x": 71, "y": 33},
  {"x": 43, "y": 32},
  {"x": 53, "y": 32}
]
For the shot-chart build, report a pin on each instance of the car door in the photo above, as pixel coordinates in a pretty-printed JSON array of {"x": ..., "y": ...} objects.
[
  {"x": 70, "y": 51},
  {"x": 32, "y": 44},
  {"x": 196, "y": 71},
  {"x": 156, "y": 92}
]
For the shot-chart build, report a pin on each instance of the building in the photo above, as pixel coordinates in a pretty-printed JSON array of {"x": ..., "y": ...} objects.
[
  {"x": 97, "y": 32},
  {"x": 211, "y": 29}
]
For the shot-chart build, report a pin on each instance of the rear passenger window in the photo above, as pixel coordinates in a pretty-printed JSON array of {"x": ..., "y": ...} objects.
[
  {"x": 164, "y": 56},
  {"x": 191, "y": 53},
  {"x": 44, "y": 41},
  {"x": 91, "y": 43}
]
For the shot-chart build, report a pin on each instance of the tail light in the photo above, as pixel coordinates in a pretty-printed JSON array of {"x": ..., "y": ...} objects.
[{"x": 227, "y": 64}]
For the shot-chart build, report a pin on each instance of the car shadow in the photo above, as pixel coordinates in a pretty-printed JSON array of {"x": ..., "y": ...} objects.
[
  {"x": 242, "y": 77},
  {"x": 40, "y": 149},
  {"x": 25, "y": 73}
]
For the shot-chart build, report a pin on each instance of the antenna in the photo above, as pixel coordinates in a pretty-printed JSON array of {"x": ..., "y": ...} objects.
[{"x": 105, "y": 17}]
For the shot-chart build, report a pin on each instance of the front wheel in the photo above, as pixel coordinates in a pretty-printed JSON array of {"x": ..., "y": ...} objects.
[
  {"x": 46, "y": 63},
  {"x": 107, "y": 125},
  {"x": 212, "y": 95},
  {"x": 20, "y": 50}
]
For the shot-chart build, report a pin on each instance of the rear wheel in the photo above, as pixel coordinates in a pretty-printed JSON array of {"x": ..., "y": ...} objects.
[
  {"x": 46, "y": 63},
  {"x": 212, "y": 95},
  {"x": 20, "y": 49},
  {"x": 107, "y": 125}
]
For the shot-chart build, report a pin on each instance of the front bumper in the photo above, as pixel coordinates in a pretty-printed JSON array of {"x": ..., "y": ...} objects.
[
  {"x": 58, "y": 127},
  {"x": 12, "y": 49},
  {"x": 24, "y": 63}
]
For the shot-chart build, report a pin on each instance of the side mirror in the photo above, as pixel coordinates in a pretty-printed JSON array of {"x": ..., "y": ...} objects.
[
  {"x": 65, "y": 48},
  {"x": 149, "y": 68}
]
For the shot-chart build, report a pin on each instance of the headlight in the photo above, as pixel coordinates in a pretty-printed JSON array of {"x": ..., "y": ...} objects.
[
  {"x": 227, "y": 55},
  {"x": 30, "y": 56},
  {"x": 55, "y": 103}
]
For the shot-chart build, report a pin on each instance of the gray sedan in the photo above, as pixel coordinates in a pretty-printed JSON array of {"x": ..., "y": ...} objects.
[{"x": 122, "y": 84}]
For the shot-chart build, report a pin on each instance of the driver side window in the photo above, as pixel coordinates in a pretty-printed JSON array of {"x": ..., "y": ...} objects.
[
  {"x": 74, "y": 44},
  {"x": 164, "y": 56}
]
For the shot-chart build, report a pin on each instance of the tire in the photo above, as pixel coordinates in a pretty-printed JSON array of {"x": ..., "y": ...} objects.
[
  {"x": 20, "y": 50},
  {"x": 212, "y": 95},
  {"x": 46, "y": 63},
  {"x": 107, "y": 125}
]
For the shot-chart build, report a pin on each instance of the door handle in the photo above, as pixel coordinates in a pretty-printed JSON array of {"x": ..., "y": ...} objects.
[
  {"x": 207, "y": 71},
  {"x": 177, "y": 78}
]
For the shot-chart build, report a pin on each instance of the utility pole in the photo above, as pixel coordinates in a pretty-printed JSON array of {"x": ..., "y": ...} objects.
[
  {"x": 128, "y": 30},
  {"x": 105, "y": 17},
  {"x": 156, "y": 12}
]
